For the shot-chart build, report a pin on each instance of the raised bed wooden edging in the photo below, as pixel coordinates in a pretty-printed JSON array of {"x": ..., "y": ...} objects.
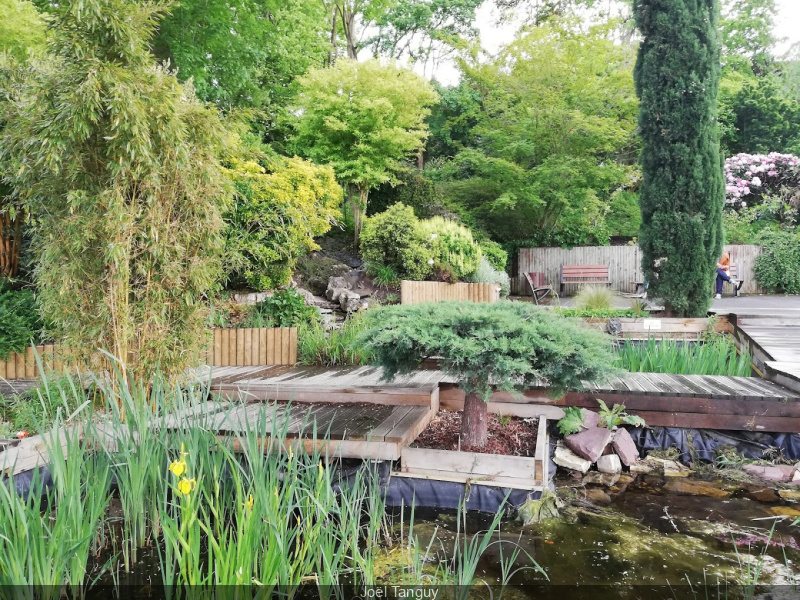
[
  {"x": 417, "y": 292},
  {"x": 515, "y": 472},
  {"x": 644, "y": 328},
  {"x": 229, "y": 347}
]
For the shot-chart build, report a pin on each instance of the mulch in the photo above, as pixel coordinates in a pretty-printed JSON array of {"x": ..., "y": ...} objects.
[{"x": 510, "y": 436}]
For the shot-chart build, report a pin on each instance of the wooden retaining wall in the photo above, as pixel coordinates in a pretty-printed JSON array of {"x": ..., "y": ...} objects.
[
  {"x": 229, "y": 348},
  {"x": 416, "y": 292},
  {"x": 624, "y": 264}
]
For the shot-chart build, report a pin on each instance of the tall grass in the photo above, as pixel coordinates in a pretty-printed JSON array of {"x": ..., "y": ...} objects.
[
  {"x": 716, "y": 356},
  {"x": 248, "y": 511},
  {"x": 337, "y": 347},
  {"x": 594, "y": 297}
]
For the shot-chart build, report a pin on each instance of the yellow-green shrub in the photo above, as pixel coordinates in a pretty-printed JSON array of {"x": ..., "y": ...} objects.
[
  {"x": 275, "y": 216},
  {"x": 451, "y": 244}
]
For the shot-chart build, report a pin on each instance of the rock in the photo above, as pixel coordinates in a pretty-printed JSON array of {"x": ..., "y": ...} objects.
[
  {"x": 595, "y": 477},
  {"x": 641, "y": 466},
  {"x": 307, "y": 296},
  {"x": 609, "y": 463},
  {"x": 782, "y": 473},
  {"x": 614, "y": 326},
  {"x": 796, "y": 474},
  {"x": 536, "y": 511},
  {"x": 693, "y": 487},
  {"x": 590, "y": 443},
  {"x": 251, "y": 299},
  {"x": 671, "y": 468},
  {"x": 789, "y": 494},
  {"x": 590, "y": 419},
  {"x": 784, "y": 511},
  {"x": 597, "y": 495},
  {"x": 625, "y": 447},
  {"x": 349, "y": 301},
  {"x": 564, "y": 457},
  {"x": 763, "y": 494}
]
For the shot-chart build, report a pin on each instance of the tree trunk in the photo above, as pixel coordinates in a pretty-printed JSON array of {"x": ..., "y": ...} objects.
[
  {"x": 474, "y": 421},
  {"x": 333, "y": 49},
  {"x": 10, "y": 242},
  {"x": 348, "y": 26},
  {"x": 359, "y": 211}
]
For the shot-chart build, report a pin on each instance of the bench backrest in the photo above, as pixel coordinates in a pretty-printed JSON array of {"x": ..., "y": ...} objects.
[{"x": 584, "y": 274}]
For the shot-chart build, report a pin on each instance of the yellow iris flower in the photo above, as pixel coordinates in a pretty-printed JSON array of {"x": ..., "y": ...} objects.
[
  {"x": 185, "y": 486},
  {"x": 249, "y": 504},
  {"x": 178, "y": 467}
]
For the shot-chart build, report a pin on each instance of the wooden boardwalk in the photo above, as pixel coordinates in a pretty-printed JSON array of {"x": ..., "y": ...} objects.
[{"x": 774, "y": 343}]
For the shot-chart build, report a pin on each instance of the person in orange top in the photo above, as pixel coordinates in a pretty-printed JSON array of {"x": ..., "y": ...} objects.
[{"x": 723, "y": 266}]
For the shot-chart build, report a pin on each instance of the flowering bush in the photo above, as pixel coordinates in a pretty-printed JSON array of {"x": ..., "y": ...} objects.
[{"x": 751, "y": 177}]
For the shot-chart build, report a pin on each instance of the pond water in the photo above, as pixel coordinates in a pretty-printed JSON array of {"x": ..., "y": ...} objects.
[{"x": 648, "y": 537}]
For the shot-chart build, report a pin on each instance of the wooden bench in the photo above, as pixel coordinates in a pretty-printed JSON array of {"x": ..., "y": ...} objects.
[
  {"x": 581, "y": 274},
  {"x": 539, "y": 287},
  {"x": 733, "y": 273}
]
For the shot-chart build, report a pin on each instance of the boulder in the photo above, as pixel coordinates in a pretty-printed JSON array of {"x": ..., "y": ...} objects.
[
  {"x": 335, "y": 287},
  {"x": 564, "y": 457},
  {"x": 307, "y": 296},
  {"x": 690, "y": 487},
  {"x": 782, "y": 473},
  {"x": 590, "y": 443},
  {"x": 250, "y": 299},
  {"x": 590, "y": 419},
  {"x": 597, "y": 478},
  {"x": 625, "y": 447},
  {"x": 349, "y": 301},
  {"x": 609, "y": 463}
]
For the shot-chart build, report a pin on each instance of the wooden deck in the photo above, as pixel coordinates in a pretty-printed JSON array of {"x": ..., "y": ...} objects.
[{"x": 774, "y": 343}]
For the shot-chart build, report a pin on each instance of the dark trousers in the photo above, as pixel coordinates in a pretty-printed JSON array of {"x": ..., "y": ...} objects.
[{"x": 721, "y": 276}]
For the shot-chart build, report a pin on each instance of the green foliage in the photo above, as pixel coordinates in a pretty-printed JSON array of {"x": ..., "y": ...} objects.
[
  {"x": 393, "y": 239},
  {"x": 384, "y": 276},
  {"x": 22, "y": 29},
  {"x": 749, "y": 225},
  {"x": 364, "y": 119},
  {"x": 594, "y": 297},
  {"x": 38, "y": 408},
  {"x": 412, "y": 188},
  {"x": 510, "y": 345},
  {"x": 571, "y": 422},
  {"x": 624, "y": 216},
  {"x": 118, "y": 163},
  {"x": 274, "y": 218},
  {"x": 285, "y": 308},
  {"x": 20, "y": 323},
  {"x": 682, "y": 191},
  {"x": 616, "y": 416},
  {"x": 553, "y": 137},
  {"x": 451, "y": 244},
  {"x": 452, "y": 120},
  {"x": 596, "y": 313},
  {"x": 334, "y": 348},
  {"x": 494, "y": 253},
  {"x": 486, "y": 273},
  {"x": 717, "y": 355},
  {"x": 777, "y": 268}
]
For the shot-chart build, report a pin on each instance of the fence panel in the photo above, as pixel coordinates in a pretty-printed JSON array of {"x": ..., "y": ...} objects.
[
  {"x": 229, "y": 347},
  {"x": 624, "y": 264},
  {"x": 416, "y": 292}
]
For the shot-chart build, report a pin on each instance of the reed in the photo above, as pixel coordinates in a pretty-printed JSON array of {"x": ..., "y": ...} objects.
[
  {"x": 337, "y": 347},
  {"x": 716, "y": 356}
]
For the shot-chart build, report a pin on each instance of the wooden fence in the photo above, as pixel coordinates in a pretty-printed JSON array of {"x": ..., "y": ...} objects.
[
  {"x": 416, "y": 292},
  {"x": 229, "y": 348},
  {"x": 624, "y": 264}
]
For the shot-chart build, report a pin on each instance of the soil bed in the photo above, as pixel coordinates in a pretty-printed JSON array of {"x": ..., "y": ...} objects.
[{"x": 510, "y": 436}]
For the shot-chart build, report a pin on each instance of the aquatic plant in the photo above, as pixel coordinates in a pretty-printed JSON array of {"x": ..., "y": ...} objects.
[{"x": 716, "y": 356}]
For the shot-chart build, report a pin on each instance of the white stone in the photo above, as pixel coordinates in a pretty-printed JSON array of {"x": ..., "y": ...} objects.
[
  {"x": 609, "y": 463},
  {"x": 564, "y": 457}
]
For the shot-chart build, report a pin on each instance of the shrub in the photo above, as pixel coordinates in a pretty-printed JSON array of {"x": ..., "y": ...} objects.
[
  {"x": 452, "y": 244},
  {"x": 486, "y": 273},
  {"x": 494, "y": 253},
  {"x": 624, "y": 216},
  {"x": 507, "y": 345},
  {"x": 750, "y": 178},
  {"x": 778, "y": 267},
  {"x": 20, "y": 324},
  {"x": 274, "y": 218},
  {"x": 393, "y": 239},
  {"x": 412, "y": 189},
  {"x": 285, "y": 308},
  {"x": 594, "y": 297}
]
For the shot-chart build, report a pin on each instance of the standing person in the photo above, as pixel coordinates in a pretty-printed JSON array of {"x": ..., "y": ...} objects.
[{"x": 723, "y": 266}]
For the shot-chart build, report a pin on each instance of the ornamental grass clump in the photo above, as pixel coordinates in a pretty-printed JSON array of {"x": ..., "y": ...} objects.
[{"x": 508, "y": 346}]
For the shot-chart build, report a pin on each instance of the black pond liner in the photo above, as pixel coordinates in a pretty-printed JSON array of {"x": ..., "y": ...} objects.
[{"x": 699, "y": 444}]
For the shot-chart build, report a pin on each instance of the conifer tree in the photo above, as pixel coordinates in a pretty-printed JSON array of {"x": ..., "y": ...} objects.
[{"x": 677, "y": 75}]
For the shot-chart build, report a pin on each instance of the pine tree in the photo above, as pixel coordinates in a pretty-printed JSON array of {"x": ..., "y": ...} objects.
[{"x": 677, "y": 76}]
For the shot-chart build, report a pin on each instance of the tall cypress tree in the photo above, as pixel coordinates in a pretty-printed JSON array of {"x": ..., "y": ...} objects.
[{"x": 682, "y": 193}]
